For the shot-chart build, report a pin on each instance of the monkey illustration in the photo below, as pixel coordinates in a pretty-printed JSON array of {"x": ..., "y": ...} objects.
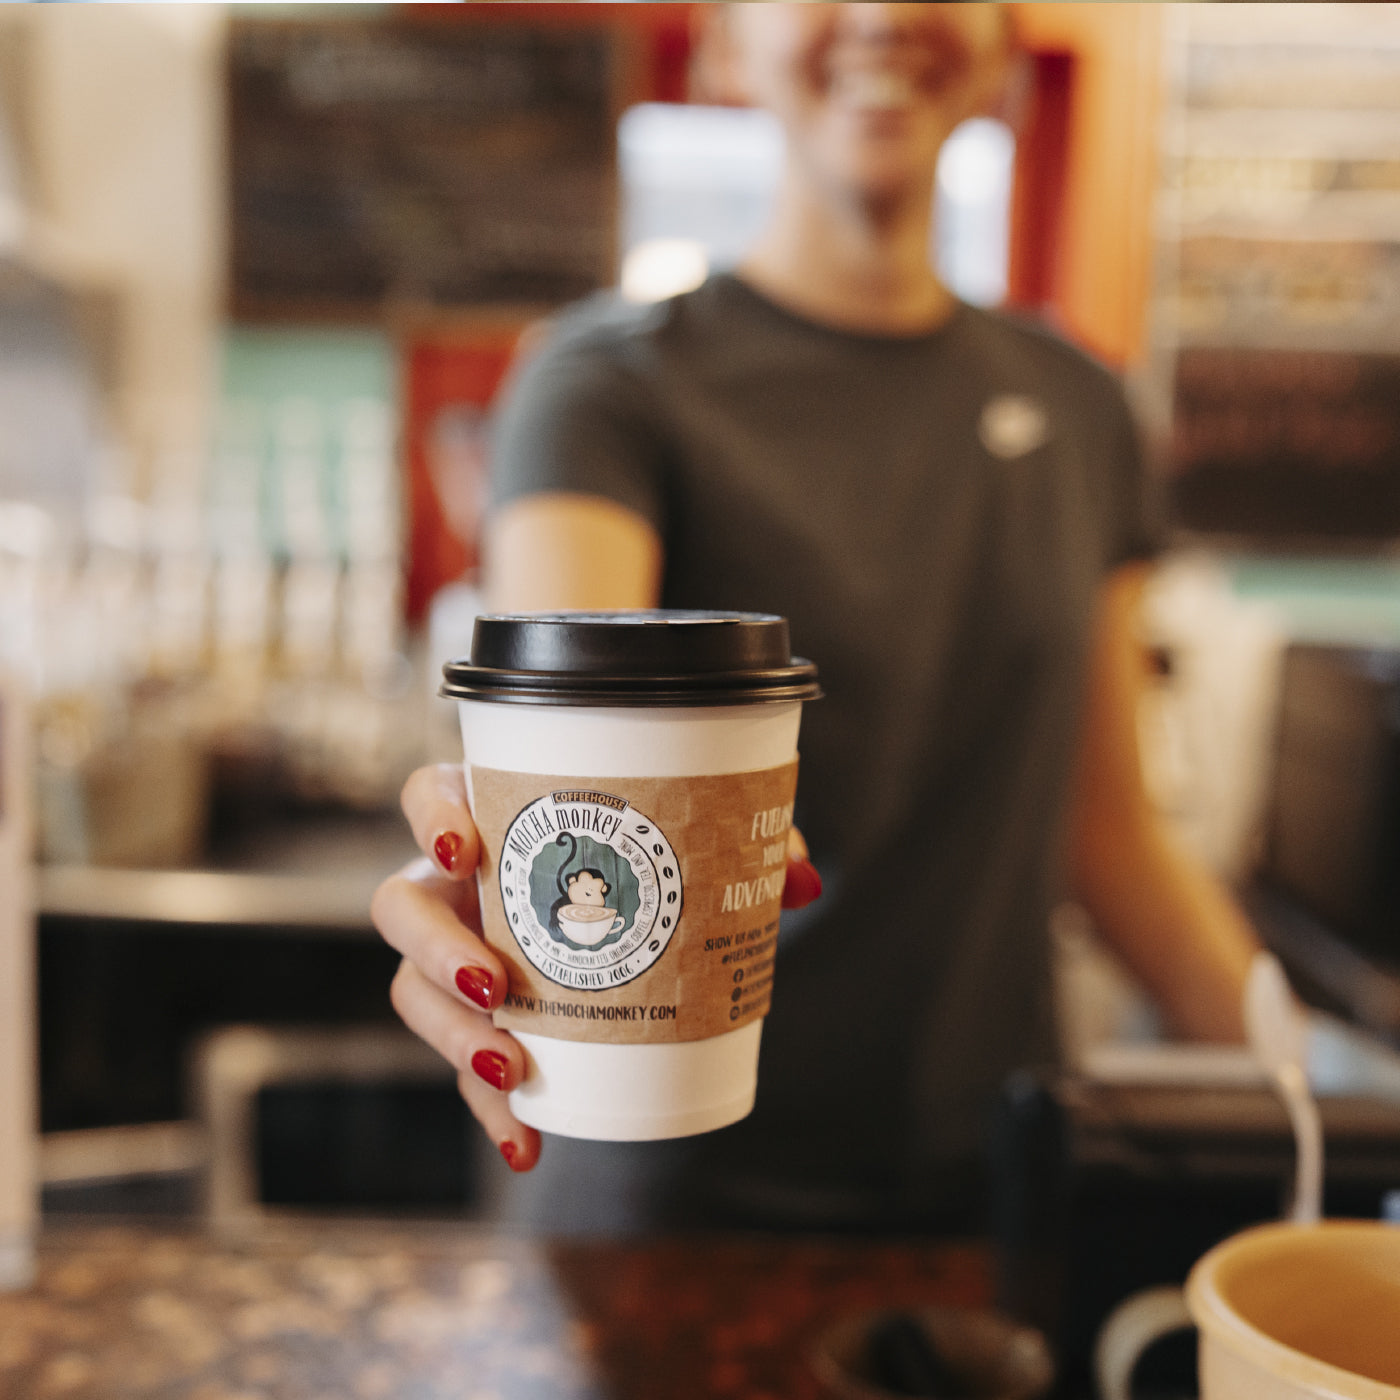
[{"x": 583, "y": 886}]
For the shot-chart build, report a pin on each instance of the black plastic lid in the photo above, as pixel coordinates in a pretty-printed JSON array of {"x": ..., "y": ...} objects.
[{"x": 656, "y": 657}]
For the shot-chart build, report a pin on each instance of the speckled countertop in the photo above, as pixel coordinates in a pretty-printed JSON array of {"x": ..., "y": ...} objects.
[{"x": 343, "y": 1311}]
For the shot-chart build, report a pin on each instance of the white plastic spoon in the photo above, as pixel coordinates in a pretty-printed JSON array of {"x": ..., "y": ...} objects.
[
  {"x": 1278, "y": 1036},
  {"x": 1277, "y": 1032}
]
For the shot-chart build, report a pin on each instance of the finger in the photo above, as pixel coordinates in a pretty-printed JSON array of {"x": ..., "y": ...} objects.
[
  {"x": 470, "y": 1044},
  {"x": 466, "y": 1039},
  {"x": 802, "y": 884},
  {"x": 517, "y": 1143},
  {"x": 434, "y": 799},
  {"x": 411, "y": 915},
  {"x": 461, "y": 896}
]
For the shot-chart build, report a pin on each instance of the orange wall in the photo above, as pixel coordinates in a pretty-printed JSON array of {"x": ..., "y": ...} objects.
[{"x": 1099, "y": 283}]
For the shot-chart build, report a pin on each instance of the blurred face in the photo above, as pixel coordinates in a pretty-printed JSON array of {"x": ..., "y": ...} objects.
[{"x": 868, "y": 93}]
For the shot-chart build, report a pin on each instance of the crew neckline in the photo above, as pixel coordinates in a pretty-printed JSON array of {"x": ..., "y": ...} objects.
[{"x": 729, "y": 279}]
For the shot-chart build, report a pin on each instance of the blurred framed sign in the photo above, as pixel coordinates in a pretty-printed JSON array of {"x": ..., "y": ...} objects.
[
  {"x": 397, "y": 162},
  {"x": 1277, "y": 310},
  {"x": 1287, "y": 444}
]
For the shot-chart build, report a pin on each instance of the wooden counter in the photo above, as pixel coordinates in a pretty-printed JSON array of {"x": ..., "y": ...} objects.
[{"x": 375, "y": 1312}]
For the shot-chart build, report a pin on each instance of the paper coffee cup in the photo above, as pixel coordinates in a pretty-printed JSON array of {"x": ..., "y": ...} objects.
[{"x": 632, "y": 777}]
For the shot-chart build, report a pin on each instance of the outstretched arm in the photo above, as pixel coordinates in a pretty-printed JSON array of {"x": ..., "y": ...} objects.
[
  {"x": 545, "y": 551},
  {"x": 559, "y": 549},
  {"x": 1170, "y": 918}
]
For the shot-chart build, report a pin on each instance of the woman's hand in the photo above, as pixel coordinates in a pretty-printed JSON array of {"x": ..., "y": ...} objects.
[
  {"x": 802, "y": 884},
  {"x": 449, "y": 981}
]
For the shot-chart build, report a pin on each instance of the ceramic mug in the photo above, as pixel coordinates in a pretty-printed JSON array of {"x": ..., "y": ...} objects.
[{"x": 1285, "y": 1312}]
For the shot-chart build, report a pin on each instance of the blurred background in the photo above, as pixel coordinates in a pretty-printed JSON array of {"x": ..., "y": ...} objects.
[{"x": 262, "y": 270}]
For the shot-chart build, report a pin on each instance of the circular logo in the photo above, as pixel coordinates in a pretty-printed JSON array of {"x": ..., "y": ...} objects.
[
  {"x": 591, "y": 888},
  {"x": 1013, "y": 425}
]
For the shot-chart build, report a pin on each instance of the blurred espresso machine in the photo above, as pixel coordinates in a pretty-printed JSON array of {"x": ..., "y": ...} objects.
[{"x": 1109, "y": 1182}]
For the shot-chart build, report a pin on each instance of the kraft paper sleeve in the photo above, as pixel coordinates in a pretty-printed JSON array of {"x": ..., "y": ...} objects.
[{"x": 633, "y": 910}]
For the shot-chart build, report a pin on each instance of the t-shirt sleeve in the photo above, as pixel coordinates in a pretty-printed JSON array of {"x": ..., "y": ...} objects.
[
  {"x": 574, "y": 416},
  {"x": 1135, "y": 525}
]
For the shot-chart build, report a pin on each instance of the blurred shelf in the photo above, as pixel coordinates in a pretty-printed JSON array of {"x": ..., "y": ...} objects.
[
  {"x": 1243, "y": 331},
  {"x": 207, "y": 898},
  {"x": 307, "y": 873}
]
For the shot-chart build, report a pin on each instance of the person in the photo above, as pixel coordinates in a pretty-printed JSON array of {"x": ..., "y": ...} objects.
[{"x": 949, "y": 505}]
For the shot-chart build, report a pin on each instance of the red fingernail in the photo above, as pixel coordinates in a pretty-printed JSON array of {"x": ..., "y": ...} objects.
[
  {"x": 511, "y": 1153},
  {"x": 488, "y": 1065},
  {"x": 802, "y": 885},
  {"x": 448, "y": 850},
  {"x": 476, "y": 984}
]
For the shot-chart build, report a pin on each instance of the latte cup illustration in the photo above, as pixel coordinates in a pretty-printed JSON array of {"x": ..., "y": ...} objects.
[
  {"x": 587, "y": 924},
  {"x": 632, "y": 776}
]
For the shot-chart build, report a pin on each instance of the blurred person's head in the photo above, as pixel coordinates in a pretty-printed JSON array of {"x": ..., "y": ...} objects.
[{"x": 866, "y": 93}]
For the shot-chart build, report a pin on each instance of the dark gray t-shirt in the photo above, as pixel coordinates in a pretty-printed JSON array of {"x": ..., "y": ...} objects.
[{"x": 934, "y": 515}]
